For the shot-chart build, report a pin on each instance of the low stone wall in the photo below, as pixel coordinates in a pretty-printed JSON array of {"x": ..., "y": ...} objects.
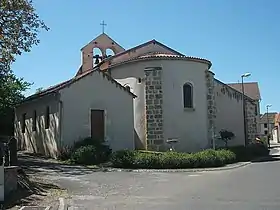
[{"x": 10, "y": 179}]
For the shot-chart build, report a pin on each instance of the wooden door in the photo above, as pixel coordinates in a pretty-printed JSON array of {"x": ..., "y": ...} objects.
[{"x": 97, "y": 125}]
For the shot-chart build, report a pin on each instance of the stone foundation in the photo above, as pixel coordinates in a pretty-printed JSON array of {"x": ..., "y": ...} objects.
[{"x": 154, "y": 111}]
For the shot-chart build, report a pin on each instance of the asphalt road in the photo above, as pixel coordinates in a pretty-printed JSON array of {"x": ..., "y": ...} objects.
[{"x": 253, "y": 187}]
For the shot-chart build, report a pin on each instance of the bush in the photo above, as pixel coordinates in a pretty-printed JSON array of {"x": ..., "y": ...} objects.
[
  {"x": 250, "y": 152},
  {"x": 88, "y": 155},
  {"x": 65, "y": 152},
  {"x": 86, "y": 151},
  {"x": 171, "y": 160},
  {"x": 123, "y": 158}
]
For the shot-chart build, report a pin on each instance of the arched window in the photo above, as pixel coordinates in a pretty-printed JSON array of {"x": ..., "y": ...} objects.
[
  {"x": 109, "y": 52},
  {"x": 188, "y": 95},
  {"x": 97, "y": 56}
]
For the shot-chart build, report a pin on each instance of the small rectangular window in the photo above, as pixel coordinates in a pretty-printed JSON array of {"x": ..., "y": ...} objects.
[
  {"x": 34, "y": 120},
  {"x": 265, "y": 125},
  {"x": 23, "y": 118},
  {"x": 265, "y": 132},
  {"x": 47, "y": 118},
  {"x": 139, "y": 80}
]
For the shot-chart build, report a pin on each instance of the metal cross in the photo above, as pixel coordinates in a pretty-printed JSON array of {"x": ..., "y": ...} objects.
[{"x": 103, "y": 24}]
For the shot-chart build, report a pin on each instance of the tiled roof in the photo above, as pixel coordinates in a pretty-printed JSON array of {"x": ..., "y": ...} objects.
[
  {"x": 251, "y": 89},
  {"x": 233, "y": 89},
  {"x": 271, "y": 117},
  {"x": 55, "y": 88},
  {"x": 161, "y": 55},
  {"x": 143, "y": 45}
]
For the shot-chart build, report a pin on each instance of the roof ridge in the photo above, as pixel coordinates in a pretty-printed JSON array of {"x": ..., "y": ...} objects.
[
  {"x": 61, "y": 85},
  {"x": 233, "y": 83}
]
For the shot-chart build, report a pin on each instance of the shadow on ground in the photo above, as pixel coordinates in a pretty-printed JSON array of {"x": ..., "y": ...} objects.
[
  {"x": 28, "y": 191},
  {"x": 269, "y": 158},
  {"x": 45, "y": 166}
]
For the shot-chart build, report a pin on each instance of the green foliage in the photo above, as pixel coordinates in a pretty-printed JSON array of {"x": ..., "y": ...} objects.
[
  {"x": 39, "y": 90},
  {"x": 86, "y": 152},
  {"x": 19, "y": 27},
  {"x": 171, "y": 160},
  {"x": 11, "y": 91},
  {"x": 86, "y": 155},
  {"x": 226, "y": 136},
  {"x": 250, "y": 152},
  {"x": 65, "y": 152}
]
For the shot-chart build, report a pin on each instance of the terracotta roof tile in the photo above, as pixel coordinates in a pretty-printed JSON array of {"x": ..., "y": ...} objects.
[
  {"x": 251, "y": 89},
  {"x": 160, "y": 55},
  {"x": 143, "y": 45}
]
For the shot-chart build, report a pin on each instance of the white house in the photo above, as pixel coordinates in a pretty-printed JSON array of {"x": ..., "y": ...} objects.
[
  {"x": 267, "y": 121},
  {"x": 177, "y": 98},
  {"x": 89, "y": 105}
]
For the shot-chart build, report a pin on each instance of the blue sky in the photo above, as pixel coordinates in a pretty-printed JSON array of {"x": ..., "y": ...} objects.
[{"x": 237, "y": 36}]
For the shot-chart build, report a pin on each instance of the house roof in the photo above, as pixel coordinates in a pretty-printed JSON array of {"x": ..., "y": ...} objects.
[
  {"x": 56, "y": 88},
  {"x": 246, "y": 96},
  {"x": 161, "y": 55},
  {"x": 271, "y": 117},
  {"x": 251, "y": 89}
]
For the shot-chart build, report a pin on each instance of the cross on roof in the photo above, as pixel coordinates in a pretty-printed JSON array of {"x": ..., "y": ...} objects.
[{"x": 103, "y": 24}]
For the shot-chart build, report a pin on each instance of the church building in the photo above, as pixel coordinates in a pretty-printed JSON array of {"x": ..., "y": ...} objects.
[{"x": 139, "y": 98}]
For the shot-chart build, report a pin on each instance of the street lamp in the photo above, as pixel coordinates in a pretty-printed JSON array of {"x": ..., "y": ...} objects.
[
  {"x": 244, "y": 106},
  {"x": 268, "y": 106}
]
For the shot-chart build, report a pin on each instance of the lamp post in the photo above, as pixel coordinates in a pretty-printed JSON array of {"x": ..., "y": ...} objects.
[
  {"x": 244, "y": 106},
  {"x": 267, "y": 106}
]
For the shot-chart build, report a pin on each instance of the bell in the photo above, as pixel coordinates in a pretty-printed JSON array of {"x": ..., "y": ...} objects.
[{"x": 96, "y": 59}]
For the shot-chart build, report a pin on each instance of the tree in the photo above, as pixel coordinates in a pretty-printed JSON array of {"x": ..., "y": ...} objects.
[
  {"x": 226, "y": 136},
  {"x": 19, "y": 28},
  {"x": 39, "y": 90}
]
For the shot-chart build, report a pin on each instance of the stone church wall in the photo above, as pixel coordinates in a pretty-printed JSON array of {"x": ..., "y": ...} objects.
[
  {"x": 154, "y": 104},
  {"x": 251, "y": 119},
  {"x": 211, "y": 106}
]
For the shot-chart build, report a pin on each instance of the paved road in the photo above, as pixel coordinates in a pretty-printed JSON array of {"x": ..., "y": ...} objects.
[{"x": 254, "y": 187}]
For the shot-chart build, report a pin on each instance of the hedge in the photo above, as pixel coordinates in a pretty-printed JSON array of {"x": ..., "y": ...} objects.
[
  {"x": 248, "y": 153},
  {"x": 172, "y": 160}
]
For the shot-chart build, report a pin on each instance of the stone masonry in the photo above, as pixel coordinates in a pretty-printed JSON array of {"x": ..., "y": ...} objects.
[
  {"x": 154, "y": 108},
  {"x": 211, "y": 106},
  {"x": 251, "y": 120}
]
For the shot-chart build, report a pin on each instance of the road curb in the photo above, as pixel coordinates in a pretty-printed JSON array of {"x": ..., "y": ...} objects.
[
  {"x": 224, "y": 168},
  {"x": 229, "y": 167}
]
